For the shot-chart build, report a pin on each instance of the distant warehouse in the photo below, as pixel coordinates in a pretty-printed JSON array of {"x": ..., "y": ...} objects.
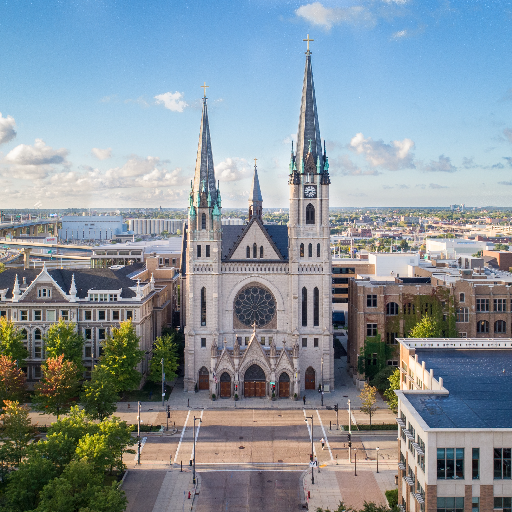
[{"x": 95, "y": 227}]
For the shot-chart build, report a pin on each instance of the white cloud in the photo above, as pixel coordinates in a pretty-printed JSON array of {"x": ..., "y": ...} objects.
[
  {"x": 102, "y": 154},
  {"x": 399, "y": 35},
  {"x": 444, "y": 164},
  {"x": 326, "y": 17},
  {"x": 394, "y": 156},
  {"x": 38, "y": 154},
  {"x": 436, "y": 186},
  {"x": 172, "y": 101},
  {"x": 7, "y": 131},
  {"x": 508, "y": 133},
  {"x": 232, "y": 169},
  {"x": 398, "y": 2}
]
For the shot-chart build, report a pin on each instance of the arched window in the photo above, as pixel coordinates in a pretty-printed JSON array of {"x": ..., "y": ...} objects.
[
  {"x": 254, "y": 251},
  {"x": 310, "y": 214},
  {"x": 318, "y": 250},
  {"x": 310, "y": 250},
  {"x": 37, "y": 335},
  {"x": 500, "y": 326},
  {"x": 203, "y": 306},
  {"x": 482, "y": 326},
  {"x": 203, "y": 221},
  {"x": 391, "y": 309},
  {"x": 248, "y": 252},
  {"x": 261, "y": 251},
  {"x": 304, "y": 306},
  {"x": 316, "y": 307},
  {"x": 302, "y": 250}
]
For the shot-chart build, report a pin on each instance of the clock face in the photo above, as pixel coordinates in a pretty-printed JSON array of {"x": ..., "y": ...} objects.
[{"x": 310, "y": 191}]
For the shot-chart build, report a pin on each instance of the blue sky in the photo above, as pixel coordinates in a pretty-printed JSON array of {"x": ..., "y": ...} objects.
[{"x": 100, "y": 100}]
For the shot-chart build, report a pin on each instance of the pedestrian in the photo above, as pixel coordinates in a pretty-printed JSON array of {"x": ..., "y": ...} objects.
[
  {"x": 304, "y": 399},
  {"x": 323, "y": 442}
]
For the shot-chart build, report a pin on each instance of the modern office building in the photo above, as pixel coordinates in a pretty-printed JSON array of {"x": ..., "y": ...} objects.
[{"x": 96, "y": 227}]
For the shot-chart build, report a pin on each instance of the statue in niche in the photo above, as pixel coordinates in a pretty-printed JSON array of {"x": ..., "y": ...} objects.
[
  {"x": 236, "y": 349},
  {"x": 296, "y": 350}
]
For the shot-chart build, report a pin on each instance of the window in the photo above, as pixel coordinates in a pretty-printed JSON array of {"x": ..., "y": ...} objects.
[
  {"x": 500, "y": 326},
  {"x": 203, "y": 342},
  {"x": 203, "y": 306},
  {"x": 409, "y": 309},
  {"x": 391, "y": 338},
  {"x": 102, "y": 314},
  {"x": 246, "y": 341},
  {"x": 101, "y": 334},
  {"x": 450, "y": 504},
  {"x": 371, "y": 301},
  {"x": 475, "y": 504},
  {"x": 261, "y": 251},
  {"x": 88, "y": 351},
  {"x": 112, "y": 297},
  {"x": 304, "y": 307},
  {"x": 502, "y": 463},
  {"x": 482, "y": 305},
  {"x": 462, "y": 297},
  {"x": 23, "y": 316},
  {"x": 500, "y": 305},
  {"x": 38, "y": 349},
  {"x": 450, "y": 463},
  {"x": 50, "y": 315},
  {"x": 262, "y": 340},
  {"x": 315, "y": 342},
  {"x": 503, "y": 503},
  {"x": 463, "y": 334},
  {"x": 482, "y": 326},
  {"x": 304, "y": 342},
  {"x": 316, "y": 307},
  {"x": 254, "y": 251},
  {"x": 198, "y": 251},
  {"x": 310, "y": 250},
  {"x": 37, "y": 372},
  {"x": 391, "y": 309},
  {"x": 129, "y": 315},
  {"x": 371, "y": 329},
  {"x": 340, "y": 280},
  {"x": 392, "y": 362},
  {"x": 88, "y": 334},
  {"x": 318, "y": 250},
  {"x": 115, "y": 315},
  {"x": 463, "y": 315},
  {"x": 203, "y": 221},
  {"x": 310, "y": 214},
  {"x": 87, "y": 315},
  {"x": 38, "y": 315},
  {"x": 248, "y": 252},
  {"x": 44, "y": 293},
  {"x": 207, "y": 251},
  {"x": 64, "y": 314},
  {"x": 3, "y": 313},
  {"x": 476, "y": 464},
  {"x": 302, "y": 250}
]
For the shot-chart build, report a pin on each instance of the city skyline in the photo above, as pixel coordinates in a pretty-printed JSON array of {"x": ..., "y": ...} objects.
[{"x": 101, "y": 102}]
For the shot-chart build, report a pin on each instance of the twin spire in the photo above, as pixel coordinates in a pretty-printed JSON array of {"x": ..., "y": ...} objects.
[{"x": 255, "y": 199}]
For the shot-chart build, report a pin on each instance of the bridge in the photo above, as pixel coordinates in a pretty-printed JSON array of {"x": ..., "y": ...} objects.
[{"x": 31, "y": 227}]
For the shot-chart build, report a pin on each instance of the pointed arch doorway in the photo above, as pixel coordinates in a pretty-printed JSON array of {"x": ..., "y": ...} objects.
[
  {"x": 204, "y": 379},
  {"x": 255, "y": 382},
  {"x": 310, "y": 378},
  {"x": 284, "y": 385},
  {"x": 225, "y": 385}
]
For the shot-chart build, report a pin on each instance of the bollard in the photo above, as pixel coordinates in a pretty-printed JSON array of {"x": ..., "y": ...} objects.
[
  {"x": 188, "y": 494},
  {"x": 170, "y": 460},
  {"x": 190, "y": 462},
  {"x": 329, "y": 425},
  {"x": 188, "y": 402},
  {"x": 309, "y": 495},
  {"x": 181, "y": 466}
]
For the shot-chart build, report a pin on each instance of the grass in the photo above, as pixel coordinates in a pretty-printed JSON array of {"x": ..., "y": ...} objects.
[{"x": 150, "y": 392}]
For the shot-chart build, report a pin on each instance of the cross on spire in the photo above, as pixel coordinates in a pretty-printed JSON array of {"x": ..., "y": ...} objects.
[
  {"x": 255, "y": 162},
  {"x": 308, "y": 41},
  {"x": 204, "y": 87}
]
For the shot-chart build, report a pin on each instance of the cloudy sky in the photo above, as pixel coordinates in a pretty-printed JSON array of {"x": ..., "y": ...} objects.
[{"x": 100, "y": 99}]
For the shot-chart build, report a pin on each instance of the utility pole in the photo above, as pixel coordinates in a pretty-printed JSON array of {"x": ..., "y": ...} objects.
[
  {"x": 163, "y": 382},
  {"x": 312, "y": 448},
  {"x": 377, "y": 458},
  {"x": 355, "y": 461},
  {"x": 138, "y": 432}
]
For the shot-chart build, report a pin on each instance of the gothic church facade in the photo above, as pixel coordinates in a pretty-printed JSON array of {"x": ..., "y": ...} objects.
[{"x": 256, "y": 298}]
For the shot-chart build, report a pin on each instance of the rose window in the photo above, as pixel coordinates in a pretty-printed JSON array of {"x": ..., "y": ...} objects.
[{"x": 255, "y": 304}]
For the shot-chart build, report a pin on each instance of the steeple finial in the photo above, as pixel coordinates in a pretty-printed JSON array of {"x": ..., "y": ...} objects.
[
  {"x": 255, "y": 199},
  {"x": 308, "y": 41},
  {"x": 204, "y": 87}
]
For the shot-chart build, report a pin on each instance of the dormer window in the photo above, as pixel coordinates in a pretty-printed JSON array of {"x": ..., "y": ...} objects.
[
  {"x": 44, "y": 293},
  {"x": 103, "y": 297}
]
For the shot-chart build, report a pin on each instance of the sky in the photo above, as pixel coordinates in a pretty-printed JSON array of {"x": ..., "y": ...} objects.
[{"x": 100, "y": 100}]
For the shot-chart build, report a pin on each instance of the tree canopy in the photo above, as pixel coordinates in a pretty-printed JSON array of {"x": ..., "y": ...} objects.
[
  {"x": 11, "y": 341},
  {"x": 63, "y": 339},
  {"x": 394, "y": 383},
  {"x": 99, "y": 395},
  {"x": 164, "y": 348}
]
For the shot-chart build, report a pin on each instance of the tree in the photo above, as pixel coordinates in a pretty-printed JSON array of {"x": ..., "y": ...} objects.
[
  {"x": 11, "y": 341},
  {"x": 99, "y": 395},
  {"x": 427, "y": 327},
  {"x": 164, "y": 348},
  {"x": 15, "y": 432},
  {"x": 58, "y": 387},
  {"x": 121, "y": 355},
  {"x": 394, "y": 383},
  {"x": 63, "y": 339},
  {"x": 368, "y": 397},
  {"x": 12, "y": 380},
  {"x": 118, "y": 437}
]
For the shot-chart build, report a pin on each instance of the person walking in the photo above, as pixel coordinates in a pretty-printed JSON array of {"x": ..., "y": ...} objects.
[
  {"x": 304, "y": 399},
  {"x": 323, "y": 442}
]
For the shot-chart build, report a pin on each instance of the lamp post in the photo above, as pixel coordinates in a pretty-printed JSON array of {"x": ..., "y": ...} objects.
[
  {"x": 349, "y": 433},
  {"x": 322, "y": 372},
  {"x": 163, "y": 381},
  {"x": 355, "y": 461},
  {"x": 194, "y": 458},
  {"x": 377, "y": 458},
  {"x": 312, "y": 453}
]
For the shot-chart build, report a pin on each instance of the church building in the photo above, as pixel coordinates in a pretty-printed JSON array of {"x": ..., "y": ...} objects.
[{"x": 256, "y": 298}]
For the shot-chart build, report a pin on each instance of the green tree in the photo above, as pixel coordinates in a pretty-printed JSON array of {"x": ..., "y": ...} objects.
[
  {"x": 394, "y": 383},
  {"x": 15, "y": 432},
  {"x": 118, "y": 437},
  {"x": 427, "y": 327},
  {"x": 58, "y": 387},
  {"x": 63, "y": 339},
  {"x": 368, "y": 397},
  {"x": 12, "y": 380},
  {"x": 11, "y": 341},
  {"x": 99, "y": 395},
  {"x": 121, "y": 355},
  {"x": 164, "y": 348}
]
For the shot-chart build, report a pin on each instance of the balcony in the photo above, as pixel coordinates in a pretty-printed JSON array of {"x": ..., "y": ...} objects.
[
  {"x": 401, "y": 466},
  {"x": 409, "y": 481},
  {"x": 418, "y": 497},
  {"x": 417, "y": 447},
  {"x": 400, "y": 422}
]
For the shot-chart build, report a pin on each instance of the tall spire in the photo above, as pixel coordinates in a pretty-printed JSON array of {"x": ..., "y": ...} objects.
[
  {"x": 255, "y": 199},
  {"x": 309, "y": 130},
  {"x": 205, "y": 174}
]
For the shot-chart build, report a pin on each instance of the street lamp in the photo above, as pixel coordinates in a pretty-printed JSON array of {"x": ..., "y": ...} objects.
[
  {"x": 163, "y": 381},
  {"x": 355, "y": 461},
  {"x": 194, "y": 458},
  {"x": 349, "y": 432},
  {"x": 377, "y": 458},
  {"x": 312, "y": 453}
]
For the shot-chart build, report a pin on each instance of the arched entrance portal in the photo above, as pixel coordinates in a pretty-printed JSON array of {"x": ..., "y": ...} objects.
[
  {"x": 310, "y": 378},
  {"x": 225, "y": 385},
  {"x": 255, "y": 382},
  {"x": 284, "y": 385},
  {"x": 204, "y": 378}
]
